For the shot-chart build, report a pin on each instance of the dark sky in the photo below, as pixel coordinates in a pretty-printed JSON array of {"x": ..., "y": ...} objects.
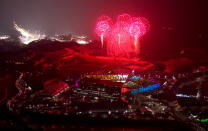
[{"x": 185, "y": 18}]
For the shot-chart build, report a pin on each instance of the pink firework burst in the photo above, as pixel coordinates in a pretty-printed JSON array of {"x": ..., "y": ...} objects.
[
  {"x": 139, "y": 26},
  {"x": 119, "y": 35},
  {"x": 135, "y": 29},
  {"x": 103, "y": 25}
]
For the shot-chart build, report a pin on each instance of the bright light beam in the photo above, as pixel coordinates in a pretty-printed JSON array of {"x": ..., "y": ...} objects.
[
  {"x": 26, "y": 37},
  {"x": 101, "y": 37},
  {"x": 135, "y": 43},
  {"x": 119, "y": 40}
]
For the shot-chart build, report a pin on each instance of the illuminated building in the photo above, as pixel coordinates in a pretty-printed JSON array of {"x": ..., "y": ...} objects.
[
  {"x": 111, "y": 84},
  {"x": 116, "y": 78},
  {"x": 55, "y": 87}
]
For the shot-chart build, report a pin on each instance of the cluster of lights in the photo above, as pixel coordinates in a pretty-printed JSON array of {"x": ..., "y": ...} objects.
[
  {"x": 4, "y": 37},
  {"x": 82, "y": 40},
  {"x": 27, "y": 37},
  {"x": 122, "y": 31}
]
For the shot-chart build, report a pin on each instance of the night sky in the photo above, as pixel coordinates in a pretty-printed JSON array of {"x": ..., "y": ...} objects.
[{"x": 178, "y": 21}]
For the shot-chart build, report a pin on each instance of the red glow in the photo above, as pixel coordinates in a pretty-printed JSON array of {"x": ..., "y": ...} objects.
[
  {"x": 146, "y": 26},
  {"x": 123, "y": 21}
]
